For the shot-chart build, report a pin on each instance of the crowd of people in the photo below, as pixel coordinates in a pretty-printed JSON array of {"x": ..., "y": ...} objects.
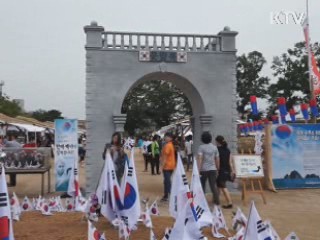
[{"x": 160, "y": 154}]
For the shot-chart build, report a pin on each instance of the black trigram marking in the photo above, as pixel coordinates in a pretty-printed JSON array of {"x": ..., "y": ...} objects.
[
  {"x": 167, "y": 235},
  {"x": 184, "y": 179},
  {"x": 113, "y": 175},
  {"x": 3, "y": 200},
  {"x": 260, "y": 226},
  {"x": 199, "y": 212},
  {"x": 130, "y": 171},
  {"x": 186, "y": 221},
  {"x": 125, "y": 220},
  {"x": 75, "y": 171},
  {"x": 104, "y": 198}
]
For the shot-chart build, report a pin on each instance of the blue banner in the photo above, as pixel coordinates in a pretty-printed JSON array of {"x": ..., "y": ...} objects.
[
  {"x": 296, "y": 156},
  {"x": 66, "y": 151}
]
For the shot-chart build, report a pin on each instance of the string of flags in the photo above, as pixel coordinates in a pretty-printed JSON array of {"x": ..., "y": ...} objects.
[{"x": 305, "y": 109}]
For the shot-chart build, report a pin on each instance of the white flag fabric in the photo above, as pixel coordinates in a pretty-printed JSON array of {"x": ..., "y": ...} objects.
[
  {"x": 146, "y": 217},
  {"x": 256, "y": 229},
  {"x": 39, "y": 202},
  {"x": 239, "y": 220},
  {"x": 292, "y": 236},
  {"x": 218, "y": 215},
  {"x": 186, "y": 227},
  {"x": 69, "y": 204},
  {"x": 93, "y": 233},
  {"x": 203, "y": 211},
  {"x": 130, "y": 210},
  {"x": 74, "y": 189},
  {"x": 216, "y": 226},
  {"x": 26, "y": 204},
  {"x": 108, "y": 191},
  {"x": 152, "y": 236},
  {"x": 180, "y": 191},
  {"x": 124, "y": 232},
  {"x": 45, "y": 209},
  {"x": 275, "y": 235},
  {"x": 239, "y": 235},
  {"x": 6, "y": 228},
  {"x": 15, "y": 207},
  {"x": 154, "y": 209}
]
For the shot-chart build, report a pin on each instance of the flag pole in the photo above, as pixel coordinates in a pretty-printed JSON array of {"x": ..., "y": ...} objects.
[
  {"x": 312, "y": 95},
  {"x": 309, "y": 52}
]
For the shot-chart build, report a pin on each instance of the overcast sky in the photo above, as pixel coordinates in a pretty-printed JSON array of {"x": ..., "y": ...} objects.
[{"x": 42, "y": 56}]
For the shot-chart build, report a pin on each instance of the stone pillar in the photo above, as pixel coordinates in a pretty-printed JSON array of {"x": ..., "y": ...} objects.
[
  {"x": 228, "y": 40},
  {"x": 94, "y": 36},
  {"x": 119, "y": 121},
  {"x": 206, "y": 122}
]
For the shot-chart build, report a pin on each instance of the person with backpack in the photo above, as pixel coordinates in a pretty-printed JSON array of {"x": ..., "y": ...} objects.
[{"x": 155, "y": 155}]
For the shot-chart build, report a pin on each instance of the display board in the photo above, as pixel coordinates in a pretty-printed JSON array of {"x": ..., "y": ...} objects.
[
  {"x": 248, "y": 166},
  {"x": 296, "y": 156},
  {"x": 66, "y": 151}
]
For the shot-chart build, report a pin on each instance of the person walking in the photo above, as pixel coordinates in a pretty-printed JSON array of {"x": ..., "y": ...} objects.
[
  {"x": 168, "y": 162},
  {"x": 226, "y": 172},
  {"x": 188, "y": 147},
  {"x": 118, "y": 155},
  {"x": 146, "y": 153},
  {"x": 155, "y": 151},
  {"x": 208, "y": 163}
]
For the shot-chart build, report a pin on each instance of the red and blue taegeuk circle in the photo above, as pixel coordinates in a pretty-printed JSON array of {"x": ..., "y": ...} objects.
[{"x": 283, "y": 131}]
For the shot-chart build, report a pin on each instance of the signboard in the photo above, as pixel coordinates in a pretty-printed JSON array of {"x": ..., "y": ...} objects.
[
  {"x": 295, "y": 155},
  {"x": 66, "y": 151},
  {"x": 162, "y": 56},
  {"x": 248, "y": 166}
]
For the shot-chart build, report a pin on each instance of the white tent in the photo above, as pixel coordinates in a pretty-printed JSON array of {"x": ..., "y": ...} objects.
[{"x": 25, "y": 127}]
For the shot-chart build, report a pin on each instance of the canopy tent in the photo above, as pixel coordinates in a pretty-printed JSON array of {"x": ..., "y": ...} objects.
[{"x": 27, "y": 127}]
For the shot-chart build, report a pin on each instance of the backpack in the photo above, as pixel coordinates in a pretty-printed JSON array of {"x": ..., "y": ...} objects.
[{"x": 149, "y": 148}]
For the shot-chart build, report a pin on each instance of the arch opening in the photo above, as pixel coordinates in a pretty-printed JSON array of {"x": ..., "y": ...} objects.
[{"x": 169, "y": 97}]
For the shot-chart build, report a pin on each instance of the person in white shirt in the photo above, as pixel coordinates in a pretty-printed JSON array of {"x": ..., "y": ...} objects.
[{"x": 146, "y": 153}]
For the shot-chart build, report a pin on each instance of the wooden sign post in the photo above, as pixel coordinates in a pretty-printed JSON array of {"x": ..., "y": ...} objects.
[{"x": 249, "y": 169}]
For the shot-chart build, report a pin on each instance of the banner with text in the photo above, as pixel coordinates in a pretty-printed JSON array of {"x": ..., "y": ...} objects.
[
  {"x": 295, "y": 155},
  {"x": 66, "y": 151}
]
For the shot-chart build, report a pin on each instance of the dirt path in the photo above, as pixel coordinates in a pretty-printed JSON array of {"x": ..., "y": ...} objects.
[{"x": 294, "y": 210}]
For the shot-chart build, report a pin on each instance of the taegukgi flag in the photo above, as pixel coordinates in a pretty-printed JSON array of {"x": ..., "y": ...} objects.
[
  {"x": 6, "y": 228},
  {"x": 180, "y": 191},
  {"x": 256, "y": 228},
  {"x": 202, "y": 208},
  {"x": 108, "y": 191},
  {"x": 130, "y": 208}
]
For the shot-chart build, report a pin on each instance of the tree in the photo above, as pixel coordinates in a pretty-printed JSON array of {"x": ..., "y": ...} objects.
[
  {"x": 154, "y": 104},
  {"x": 43, "y": 115},
  {"x": 291, "y": 71},
  {"x": 9, "y": 107},
  {"x": 249, "y": 79}
]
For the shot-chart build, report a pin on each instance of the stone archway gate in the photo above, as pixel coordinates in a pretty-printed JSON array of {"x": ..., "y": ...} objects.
[{"x": 202, "y": 66}]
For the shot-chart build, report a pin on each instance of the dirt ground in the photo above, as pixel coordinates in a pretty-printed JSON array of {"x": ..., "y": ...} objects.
[{"x": 294, "y": 210}]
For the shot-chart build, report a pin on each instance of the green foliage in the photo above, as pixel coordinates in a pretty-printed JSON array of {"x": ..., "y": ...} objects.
[
  {"x": 154, "y": 104},
  {"x": 43, "y": 115},
  {"x": 9, "y": 107},
  {"x": 249, "y": 79},
  {"x": 291, "y": 71}
]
